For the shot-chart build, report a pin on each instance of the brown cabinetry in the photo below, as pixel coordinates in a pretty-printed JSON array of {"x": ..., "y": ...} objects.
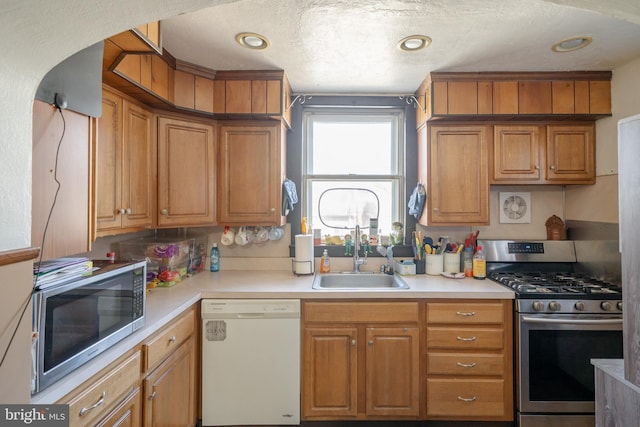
[
  {"x": 251, "y": 171},
  {"x": 469, "y": 361},
  {"x": 124, "y": 166},
  {"x": 360, "y": 360},
  {"x": 186, "y": 172},
  {"x": 457, "y": 173},
  {"x": 111, "y": 397},
  {"x": 537, "y": 154},
  {"x": 171, "y": 384}
]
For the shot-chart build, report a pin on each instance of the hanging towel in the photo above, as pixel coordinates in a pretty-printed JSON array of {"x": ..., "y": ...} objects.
[
  {"x": 416, "y": 201},
  {"x": 289, "y": 196}
]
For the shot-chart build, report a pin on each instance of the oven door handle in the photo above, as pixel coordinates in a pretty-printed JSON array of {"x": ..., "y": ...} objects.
[{"x": 572, "y": 321}]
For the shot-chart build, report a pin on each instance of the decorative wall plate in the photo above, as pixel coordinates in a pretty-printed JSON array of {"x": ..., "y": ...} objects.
[{"x": 515, "y": 208}]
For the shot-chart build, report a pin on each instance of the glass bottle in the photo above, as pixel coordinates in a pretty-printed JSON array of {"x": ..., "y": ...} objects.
[{"x": 479, "y": 264}]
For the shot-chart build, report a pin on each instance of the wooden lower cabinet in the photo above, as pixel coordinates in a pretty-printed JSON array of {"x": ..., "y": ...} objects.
[
  {"x": 127, "y": 414},
  {"x": 357, "y": 367},
  {"x": 170, "y": 390},
  {"x": 469, "y": 360}
]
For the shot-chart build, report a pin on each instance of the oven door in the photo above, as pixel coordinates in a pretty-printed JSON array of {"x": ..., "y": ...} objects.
[{"x": 554, "y": 368}]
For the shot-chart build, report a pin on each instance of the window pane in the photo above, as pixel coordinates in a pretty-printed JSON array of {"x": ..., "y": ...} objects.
[
  {"x": 363, "y": 148},
  {"x": 352, "y": 213}
]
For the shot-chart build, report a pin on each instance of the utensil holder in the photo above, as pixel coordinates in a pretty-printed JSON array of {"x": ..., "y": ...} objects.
[{"x": 434, "y": 264}]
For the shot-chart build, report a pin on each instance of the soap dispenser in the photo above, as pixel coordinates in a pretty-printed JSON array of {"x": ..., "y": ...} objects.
[{"x": 325, "y": 262}]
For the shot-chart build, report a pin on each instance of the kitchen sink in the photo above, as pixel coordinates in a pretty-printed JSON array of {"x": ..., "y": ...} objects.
[{"x": 349, "y": 281}]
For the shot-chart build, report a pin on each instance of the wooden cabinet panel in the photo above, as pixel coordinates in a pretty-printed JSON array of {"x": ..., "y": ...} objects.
[
  {"x": 393, "y": 389},
  {"x": 186, "y": 172},
  {"x": 275, "y": 98},
  {"x": 534, "y": 97},
  {"x": 170, "y": 390},
  {"x": 127, "y": 414},
  {"x": 145, "y": 70},
  {"x": 252, "y": 162},
  {"x": 462, "y": 98},
  {"x": 476, "y": 364},
  {"x": 160, "y": 76},
  {"x": 107, "y": 391},
  {"x": 458, "y": 172},
  {"x": 204, "y": 94},
  {"x": 184, "y": 89},
  {"x": 124, "y": 167},
  {"x": 563, "y": 97},
  {"x": 505, "y": 97},
  {"x": 219, "y": 96},
  {"x": 600, "y": 97},
  {"x": 465, "y": 313},
  {"x": 478, "y": 399},
  {"x": 440, "y": 96},
  {"x": 160, "y": 346},
  {"x": 238, "y": 96},
  {"x": 570, "y": 153},
  {"x": 361, "y": 312},
  {"x": 259, "y": 96},
  {"x": 485, "y": 98},
  {"x": 329, "y": 372},
  {"x": 581, "y": 97},
  {"x": 517, "y": 153},
  {"x": 130, "y": 67},
  {"x": 465, "y": 338}
]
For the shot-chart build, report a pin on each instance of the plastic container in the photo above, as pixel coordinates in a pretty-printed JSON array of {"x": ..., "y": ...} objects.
[
  {"x": 214, "y": 258},
  {"x": 468, "y": 262},
  {"x": 325, "y": 262},
  {"x": 111, "y": 257},
  {"x": 479, "y": 264}
]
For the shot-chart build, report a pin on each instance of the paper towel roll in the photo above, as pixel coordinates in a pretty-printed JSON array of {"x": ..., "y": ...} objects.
[{"x": 303, "y": 259}]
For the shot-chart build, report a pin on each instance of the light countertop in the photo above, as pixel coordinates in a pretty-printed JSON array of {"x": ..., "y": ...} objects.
[{"x": 164, "y": 304}]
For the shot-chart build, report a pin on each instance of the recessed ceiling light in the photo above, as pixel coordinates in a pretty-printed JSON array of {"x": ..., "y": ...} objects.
[
  {"x": 571, "y": 44},
  {"x": 415, "y": 42},
  {"x": 253, "y": 41}
]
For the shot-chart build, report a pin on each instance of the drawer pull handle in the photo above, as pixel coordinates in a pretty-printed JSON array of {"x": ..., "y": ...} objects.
[
  {"x": 466, "y": 339},
  {"x": 172, "y": 339},
  {"x": 100, "y": 401},
  {"x": 467, "y": 399},
  {"x": 466, "y": 365},
  {"x": 465, "y": 313}
]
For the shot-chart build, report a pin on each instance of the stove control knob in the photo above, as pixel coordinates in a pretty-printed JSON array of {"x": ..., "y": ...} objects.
[
  {"x": 554, "y": 306},
  {"x": 580, "y": 306},
  {"x": 619, "y": 305},
  {"x": 537, "y": 306},
  {"x": 606, "y": 305}
]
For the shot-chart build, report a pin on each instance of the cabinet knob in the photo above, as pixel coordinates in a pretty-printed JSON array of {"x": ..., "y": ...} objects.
[
  {"x": 129, "y": 211},
  {"x": 537, "y": 167},
  {"x": 153, "y": 395},
  {"x": 273, "y": 210},
  {"x": 353, "y": 342},
  {"x": 164, "y": 212},
  {"x": 436, "y": 209},
  {"x": 121, "y": 211},
  {"x": 99, "y": 402},
  {"x": 552, "y": 167},
  {"x": 172, "y": 339},
  {"x": 370, "y": 343}
]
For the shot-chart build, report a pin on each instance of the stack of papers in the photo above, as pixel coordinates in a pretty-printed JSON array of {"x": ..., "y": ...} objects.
[{"x": 54, "y": 270}]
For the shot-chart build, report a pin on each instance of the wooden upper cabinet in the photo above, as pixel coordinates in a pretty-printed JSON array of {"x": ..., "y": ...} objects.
[
  {"x": 144, "y": 38},
  {"x": 203, "y": 94},
  {"x": 184, "y": 90},
  {"x": 186, "y": 172},
  {"x": 517, "y": 153},
  {"x": 514, "y": 94},
  {"x": 238, "y": 97},
  {"x": 571, "y": 153}
]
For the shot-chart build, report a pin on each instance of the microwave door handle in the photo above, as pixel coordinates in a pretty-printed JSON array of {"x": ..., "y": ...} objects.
[{"x": 572, "y": 321}]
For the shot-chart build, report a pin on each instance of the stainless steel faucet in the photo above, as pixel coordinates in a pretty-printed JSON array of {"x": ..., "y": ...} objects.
[{"x": 357, "y": 261}]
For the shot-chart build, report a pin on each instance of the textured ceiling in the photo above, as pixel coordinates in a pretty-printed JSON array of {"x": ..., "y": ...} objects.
[{"x": 350, "y": 46}]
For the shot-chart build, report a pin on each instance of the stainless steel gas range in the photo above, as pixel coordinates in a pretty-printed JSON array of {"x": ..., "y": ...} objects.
[{"x": 562, "y": 320}]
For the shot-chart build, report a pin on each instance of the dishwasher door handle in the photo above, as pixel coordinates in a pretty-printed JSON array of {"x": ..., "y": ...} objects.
[{"x": 250, "y": 315}]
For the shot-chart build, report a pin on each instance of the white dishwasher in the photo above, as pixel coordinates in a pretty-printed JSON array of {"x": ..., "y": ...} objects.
[{"x": 250, "y": 362}]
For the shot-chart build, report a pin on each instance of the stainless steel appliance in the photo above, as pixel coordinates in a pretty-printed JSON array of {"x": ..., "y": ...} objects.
[
  {"x": 76, "y": 319},
  {"x": 562, "y": 320}
]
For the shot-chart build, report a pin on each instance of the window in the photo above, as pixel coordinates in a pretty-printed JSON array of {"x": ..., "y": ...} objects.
[{"x": 353, "y": 148}]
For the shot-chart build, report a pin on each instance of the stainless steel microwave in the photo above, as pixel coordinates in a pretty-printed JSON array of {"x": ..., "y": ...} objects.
[{"x": 77, "y": 319}]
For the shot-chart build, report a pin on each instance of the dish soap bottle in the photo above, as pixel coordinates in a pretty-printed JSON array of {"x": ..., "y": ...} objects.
[
  {"x": 214, "y": 259},
  {"x": 325, "y": 262},
  {"x": 479, "y": 264}
]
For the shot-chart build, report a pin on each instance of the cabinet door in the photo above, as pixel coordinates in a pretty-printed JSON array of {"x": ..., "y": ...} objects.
[
  {"x": 108, "y": 164},
  {"x": 186, "y": 173},
  {"x": 252, "y": 159},
  {"x": 137, "y": 167},
  {"x": 516, "y": 154},
  {"x": 329, "y": 372},
  {"x": 393, "y": 372},
  {"x": 170, "y": 390},
  {"x": 127, "y": 414},
  {"x": 459, "y": 184},
  {"x": 571, "y": 154}
]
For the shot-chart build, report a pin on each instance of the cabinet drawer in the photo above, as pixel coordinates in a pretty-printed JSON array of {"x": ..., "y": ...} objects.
[
  {"x": 369, "y": 312},
  {"x": 465, "y": 313},
  {"x": 465, "y": 364},
  {"x": 465, "y": 338},
  {"x": 91, "y": 405},
  {"x": 465, "y": 398},
  {"x": 160, "y": 346}
]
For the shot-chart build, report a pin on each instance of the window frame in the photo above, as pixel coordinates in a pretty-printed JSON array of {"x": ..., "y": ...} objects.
[{"x": 392, "y": 114}]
